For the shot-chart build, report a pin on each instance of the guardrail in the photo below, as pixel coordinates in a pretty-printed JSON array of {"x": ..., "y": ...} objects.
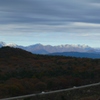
[{"x": 50, "y": 92}]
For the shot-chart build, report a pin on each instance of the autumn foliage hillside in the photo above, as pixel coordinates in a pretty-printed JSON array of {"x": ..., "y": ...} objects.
[{"x": 22, "y": 72}]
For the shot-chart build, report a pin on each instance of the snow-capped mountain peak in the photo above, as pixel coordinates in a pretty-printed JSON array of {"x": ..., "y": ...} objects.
[
  {"x": 44, "y": 49},
  {"x": 11, "y": 45},
  {"x": 3, "y": 44}
]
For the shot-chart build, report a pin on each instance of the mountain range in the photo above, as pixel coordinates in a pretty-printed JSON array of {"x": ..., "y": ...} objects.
[{"x": 49, "y": 49}]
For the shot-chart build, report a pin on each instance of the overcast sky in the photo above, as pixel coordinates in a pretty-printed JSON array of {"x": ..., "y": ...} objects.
[{"x": 54, "y": 22}]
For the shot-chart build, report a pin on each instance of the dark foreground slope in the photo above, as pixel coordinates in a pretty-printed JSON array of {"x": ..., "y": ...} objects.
[
  {"x": 22, "y": 72},
  {"x": 88, "y": 93}
]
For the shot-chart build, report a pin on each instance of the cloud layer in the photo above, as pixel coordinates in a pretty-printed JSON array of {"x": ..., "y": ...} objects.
[{"x": 66, "y": 16}]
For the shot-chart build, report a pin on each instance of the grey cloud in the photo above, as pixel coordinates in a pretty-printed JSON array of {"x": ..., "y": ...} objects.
[{"x": 48, "y": 12}]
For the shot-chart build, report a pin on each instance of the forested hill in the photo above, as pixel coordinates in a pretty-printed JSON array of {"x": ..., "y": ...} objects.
[
  {"x": 10, "y": 51},
  {"x": 22, "y": 72}
]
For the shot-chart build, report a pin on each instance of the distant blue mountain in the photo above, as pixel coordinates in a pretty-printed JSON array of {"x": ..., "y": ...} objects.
[
  {"x": 78, "y": 54},
  {"x": 66, "y": 50},
  {"x": 2, "y": 44},
  {"x": 41, "y": 51}
]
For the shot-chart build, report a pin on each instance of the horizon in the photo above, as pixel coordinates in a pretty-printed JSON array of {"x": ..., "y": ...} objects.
[
  {"x": 50, "y": 22},
  {"x": 47, "y": 44}
]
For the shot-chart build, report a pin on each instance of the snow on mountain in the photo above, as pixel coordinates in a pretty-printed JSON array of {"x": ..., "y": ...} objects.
[
  {"x": 45, "y": 49},
  {"x": 12, "y": 45},
  {"x": 58, "y": 48},
  {"x": 2, "y": 44}
]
